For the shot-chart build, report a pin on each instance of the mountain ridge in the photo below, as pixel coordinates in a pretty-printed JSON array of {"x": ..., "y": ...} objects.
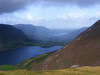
[
  {"x": 49, "y": 36},
  {"x": 82, "y": 51},
  {"x": 11, "y": 37}
]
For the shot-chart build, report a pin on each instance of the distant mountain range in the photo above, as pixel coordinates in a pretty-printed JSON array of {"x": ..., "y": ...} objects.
[
  {"x": 49, "y": 37},
  {"x": 11, "y": 37},
  {"x": 24, "y": 35},
  {"x": 82, "y": 51}
]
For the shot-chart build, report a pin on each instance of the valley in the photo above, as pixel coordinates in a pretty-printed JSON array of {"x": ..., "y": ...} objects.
[
  {"x": 49, "y": 37},
  {"x": 80, "y": 56},
  {"x": 82, "y": 51}
]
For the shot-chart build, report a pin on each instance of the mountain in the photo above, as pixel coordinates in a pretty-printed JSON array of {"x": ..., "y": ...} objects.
[
  {"x": 68, "y": 36},
  {"x": 49, "y": 37},
  {"x": 34, "y": 32},
  {"x": 82, "y": 51},
  {"x": 11, "y": 37}
]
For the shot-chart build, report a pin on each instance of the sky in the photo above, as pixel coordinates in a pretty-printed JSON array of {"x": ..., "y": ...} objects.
[{"x": 50, "y": 13}]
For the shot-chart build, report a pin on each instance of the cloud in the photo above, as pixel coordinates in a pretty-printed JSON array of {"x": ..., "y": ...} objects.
[
  {"x": 76, "y": 2},
  {"x": 7, "y": 6},
  {"x": 14, "y": 5},
  {"x": 30, "y": 17}
]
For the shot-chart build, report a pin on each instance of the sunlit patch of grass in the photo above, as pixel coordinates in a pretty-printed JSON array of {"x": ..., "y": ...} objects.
[{"x": 73, "y": 71}]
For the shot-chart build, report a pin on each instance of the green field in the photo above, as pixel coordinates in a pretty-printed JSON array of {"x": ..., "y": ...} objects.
[
  {"x": 7, "y": 67},
  {"x": 74, "y": 71}
]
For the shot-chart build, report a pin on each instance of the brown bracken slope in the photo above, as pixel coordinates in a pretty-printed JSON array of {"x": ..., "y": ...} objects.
[{"x": 83, "y": 51}]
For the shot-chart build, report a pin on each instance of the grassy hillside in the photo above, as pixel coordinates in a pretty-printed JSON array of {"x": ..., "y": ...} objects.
[
  {"x": 74, "y": 71},
  {"x": 27, "y": 64}
]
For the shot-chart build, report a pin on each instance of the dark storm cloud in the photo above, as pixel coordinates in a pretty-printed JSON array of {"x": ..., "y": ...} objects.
[
  {"x": 76, "y": 2},
  {"x": 13, "y": 5},
  {"x": 9, "y": 5}
]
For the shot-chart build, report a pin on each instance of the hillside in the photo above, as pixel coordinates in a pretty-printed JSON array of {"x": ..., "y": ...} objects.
[
  {"x": 49, "y": 37},
  {"x": 83, "y": 51},
  {"x": 11, "y": 37},
  {"x": 27, "y": 64}
]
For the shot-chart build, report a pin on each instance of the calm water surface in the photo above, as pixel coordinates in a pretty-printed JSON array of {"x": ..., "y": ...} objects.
[{"x": 15, "y": 56}]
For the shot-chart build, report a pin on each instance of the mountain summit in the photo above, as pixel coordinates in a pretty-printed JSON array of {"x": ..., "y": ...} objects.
[{"x": 82, "y": 51}]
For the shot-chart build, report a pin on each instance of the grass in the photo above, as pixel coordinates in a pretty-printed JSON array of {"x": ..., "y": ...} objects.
[
  {"x": 74, "y": 71},
  {"x": 7, "y": 67},
  {"x": 27, "y": 64}
]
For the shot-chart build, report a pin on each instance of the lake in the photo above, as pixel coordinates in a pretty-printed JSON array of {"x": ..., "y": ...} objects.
[{"x": 15, "y": 56}]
